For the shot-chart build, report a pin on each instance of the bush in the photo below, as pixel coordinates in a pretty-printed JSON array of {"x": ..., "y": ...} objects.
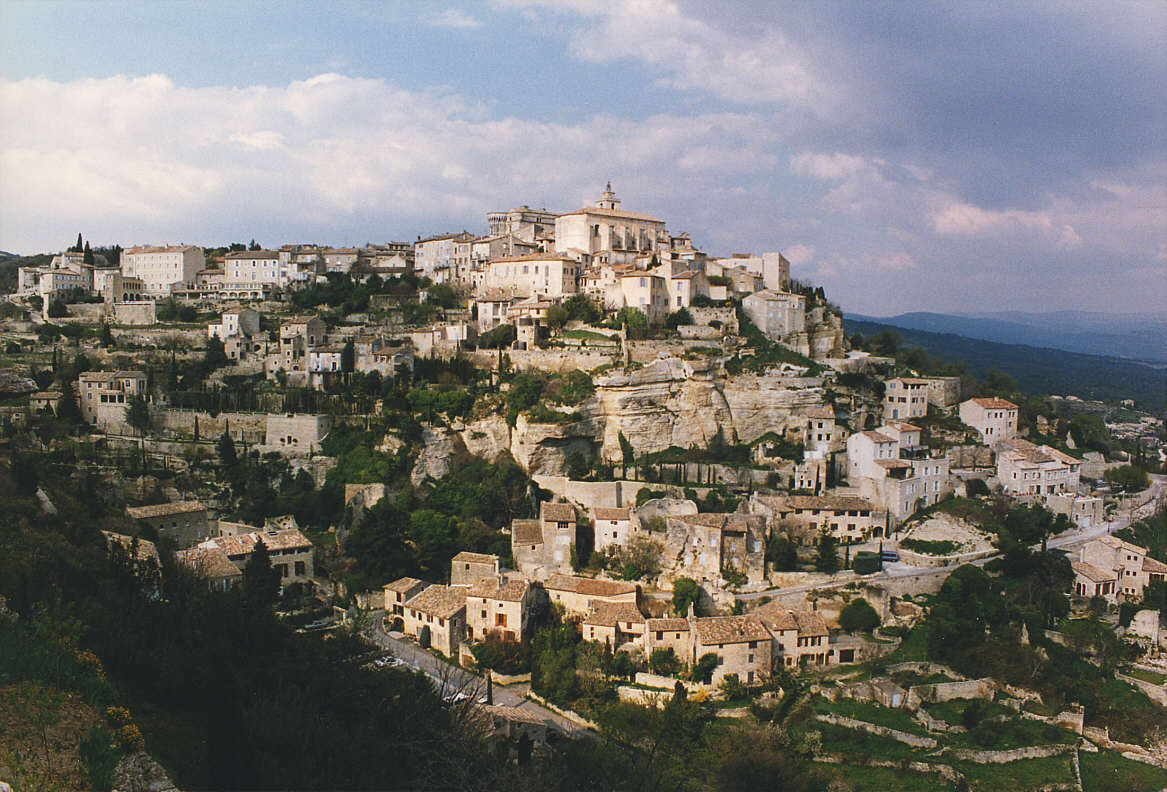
[
  {"x": 664, "y": 662},
  {"x": 858, "y": 616},
  {"x": 974, "y": 487},
  {"x": 704, "y": 667},
  {"x": 423, "y": 637},
  {"x": 865, "y": 563},
  {"x": 100, "y": 754},
  {"x": 732, "y": 686}
]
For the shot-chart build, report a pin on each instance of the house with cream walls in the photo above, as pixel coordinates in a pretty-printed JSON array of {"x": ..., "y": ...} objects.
[
  {"x": 163, "y": 269},
  {"x": 995, "y": 419}
]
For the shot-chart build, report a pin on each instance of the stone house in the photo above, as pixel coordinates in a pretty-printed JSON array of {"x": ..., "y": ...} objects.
[
  {"x": 212, "y": 566},
  {"x": 297, "y": 337},
  {"x": 163, "y": 269},
  {"x": 1027, "y": 469},
  {"x": 705, "y": 546},
  {"x": 44, "y": 400},
  {"x": 605, "y": 227},
  {"x": 1130, "y": 565},
  {"x": 615, "y": 624},
  {"x": 905, "y": 398},
  {"x": 292, "y": 554},
  {"x": 777, "y": 314},
  {"x": 580, "y": 595},
  {"x": 1090, "y": 581},
  {"x": 466, "y": 568},
  {"x": 668, "y": 633},
  {"x": 513, "y": 724},
  {"x": 502, "y": 604},
  {"x": 798, "y": 637},
  {"x": 895, "y": 472},
  {"x": 742, "y": 645},
  {"x": 397, "y": 594},
  {"x": 540, "y": 547},
  {"x": 443, "y": 610},
  {"x": 236, "y": 322},
  {"x": 612, "y": 527},
  {"x": 104, "y": 395},
  {"x": 805, "y": 517},
  {"x": 995, "y": 419},
  {"x": 548, "y": 275},
  {"x": 821, "y": 433},
  {"x": 296, "y": 433},
  {"x": 185, "y": 522}
]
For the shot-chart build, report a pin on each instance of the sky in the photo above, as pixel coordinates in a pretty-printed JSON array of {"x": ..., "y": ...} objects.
[{"x": 975, "y": 156}]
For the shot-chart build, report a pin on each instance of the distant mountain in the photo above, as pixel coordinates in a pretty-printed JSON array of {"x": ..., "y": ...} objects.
[
  {"x": 1138, "y": 336},
  {"x": 1039, "y": 370}
]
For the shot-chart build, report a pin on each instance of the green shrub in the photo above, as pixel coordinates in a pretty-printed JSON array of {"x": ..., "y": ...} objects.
[{"x": 100, "y": 754}]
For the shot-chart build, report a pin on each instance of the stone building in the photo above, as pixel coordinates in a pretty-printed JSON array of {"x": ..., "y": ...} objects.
[
  {"x": 611, "y": 527},
  {"x": 707, "y": 546},
  {"x": 185, "y": 522},
  {"x": 466, "y": 568},
  {"x": 163, "y": 269},
  {"x": 1027, "y": 469},
  {"x": 798, "y": 637},
  {"x": 741, "y": 643},
  {"x": 397, "y": 594},
  {"x": 905, "y": 398},
  {"x": 540, "y": 547},
  {"x": 777, "y": 314},
  {"x": 547, "y": 275},
  {"x": 502, "y": 604},
  {"x": 605, "y": 227},
  {"x": 296, "y": 433},
  {"x": 668, "y": 633},
  {"x": 212, "y": 566},
  {"x": 995, "y": 419},
  {"x": 614, "y": 624},
  {"x": 580, "y": 595},
  {"x": 1128, "y": 564},
  {"x": 103, "y": 396},
  {"x": 806, "y": 517},
  {"x": 441, "y": 609},
  {"x": 291, "y": 553}
]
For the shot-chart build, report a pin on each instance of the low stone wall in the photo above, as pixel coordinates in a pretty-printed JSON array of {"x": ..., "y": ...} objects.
[
  {"x": 924, "y": 667},
  {"x": 642, "y": 697},
  {"x": 947, "y": 691},
  {"x": 883, "y": 731},
  {"x": 509, "y": 679},
  {"x": 1014, "y": 755},
  {"x": 669, "y": 683},
  {"x": 245, "y": 427},
  {"x": 1154, "y": 692},
  {"x": 560, "y": 360},
  {"x": 574, "y": 717},
  {"x": 931, "y": 561}
]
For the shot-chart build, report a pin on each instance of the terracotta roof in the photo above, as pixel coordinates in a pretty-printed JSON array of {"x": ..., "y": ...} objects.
[
  {"x": 476, "y": 558},
  {"x": 515, "y": 714},
  {"x": 830, "y": 502},
  {"x": 557, "y": 512},
  {"x": 1154, "y": 565},
  {"x": 1115, "y": 543},
  {"x": 909, "y": 380},
  {"x": 994, "y": 403},
  {"x": 876, "y": 437},
  {"x": 902, "y": 426},
  {"x": 402, "y": 585},
  {"x": 892, "y": 464},
  {"x": 146, "y": 549},
  {"x": 724, "y": 521},
  {"x": 508, "y": 589},
  {"x": 589, "y": 587},
  {"x": 244, "y": 544},
  {"x": 157, "y": 249},
  {"x": 534, "y": 257},
  {"x": 729, "y": 629},
  {"x": 440, "y": 601},
  {"x": 253, "y": 254},
  {"x": 1091, "y": 572},
  {"x": 668, "y": 625},
  {"x": 164, "y": 509},
  {"x": 608, "y": 614},
  {"x": 608, "y": 513},
  {"x": 208, "y": 563},
  {"x": 526, "y": 532}
]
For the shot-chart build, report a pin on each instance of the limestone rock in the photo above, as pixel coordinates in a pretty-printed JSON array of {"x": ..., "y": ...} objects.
[
  {"x": 544, "y": 448},
  {"x": 441, "y": 449},
  {"x": 487, "y": 438},
  {"x": 137, "y": 772},
  {"x": 13, "y": 384}
]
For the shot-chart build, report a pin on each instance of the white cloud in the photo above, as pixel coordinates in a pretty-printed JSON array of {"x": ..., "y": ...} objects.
[
  {"x": 458, "y": 20},
  {"x": 829, "y": 167},
  {"x": 764, "y": 66},
  {"x": 799, "y": 255}
]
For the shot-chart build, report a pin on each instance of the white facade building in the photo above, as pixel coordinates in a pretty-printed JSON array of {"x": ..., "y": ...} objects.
[
  {"x": 163, "y": 269},
  {"x": 995, "y": 419}
]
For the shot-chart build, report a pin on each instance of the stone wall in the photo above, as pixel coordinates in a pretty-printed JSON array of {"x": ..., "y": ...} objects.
[
  {"x": 947, "y": 691},
  {"x": 1014, "y": 755},
  {"x": 970, "y": 457},
  {"x": 134, "y": 313},
  {"x": 560, "y": 360},
  {"x": 883, "y": 731},
  {"x": 242, "y": 427}
]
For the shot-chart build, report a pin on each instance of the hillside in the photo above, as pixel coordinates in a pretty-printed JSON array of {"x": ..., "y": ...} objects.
[
  {"x": 1039, "y": 370},
  {"x": 1135, "y": 336}
]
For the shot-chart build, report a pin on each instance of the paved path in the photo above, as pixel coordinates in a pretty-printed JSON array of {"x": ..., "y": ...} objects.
[{"x": 449, "y": 679}]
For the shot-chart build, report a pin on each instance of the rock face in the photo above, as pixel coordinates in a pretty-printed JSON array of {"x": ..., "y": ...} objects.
[
  {"x": 674, "y": 402},
  {"x": 441, "y": 449},
  {"x": 13, "y": 384},
  {"x": 137, "y": 772}
]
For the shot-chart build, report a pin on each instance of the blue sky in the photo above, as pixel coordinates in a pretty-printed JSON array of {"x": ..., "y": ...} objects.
[{"x": 907, "y": 156}]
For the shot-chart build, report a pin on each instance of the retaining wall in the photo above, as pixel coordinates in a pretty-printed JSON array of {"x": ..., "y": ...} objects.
[{"x": 883, "y": 731}]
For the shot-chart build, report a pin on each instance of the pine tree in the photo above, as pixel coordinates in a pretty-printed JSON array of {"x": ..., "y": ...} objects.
[
  {"x": 226, "y": 450},
  {"x": 827, "y": 559},
  {"x": 79, "y": 246},
  {"x": 261, "y": 582},
  {"x": 88, "y": 259}
]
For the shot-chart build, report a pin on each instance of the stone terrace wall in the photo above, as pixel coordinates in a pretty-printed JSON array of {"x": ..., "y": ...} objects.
[{"x": 557, "y": 360}]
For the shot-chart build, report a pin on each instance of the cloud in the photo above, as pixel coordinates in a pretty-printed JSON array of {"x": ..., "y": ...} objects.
[
  {"x": 964, "y": 219},
  {"x": 455, "y": 19},
  {"x": 829, "y": 167},
  {"x": 799, "y": 255}
]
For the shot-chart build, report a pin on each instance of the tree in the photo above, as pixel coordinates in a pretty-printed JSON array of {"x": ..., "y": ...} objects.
[
  {"x": 138, "y": 414},
  {"x": 67, "y": 409},
  {"x": 704, "y": 667},
  {"x": 261, "y": 581},
  {"x": 226, "y": 449},
  {"x": 106, "y": 337},
  {"x": 557, "y": 316},
  {"x": 254, "y": 245},
  {"x": 677, "y": 318},
  {"x": 686, "y": 592},
  {"x": 88, "y": 258},
  {"x": 1128, "y": 478},
  {"x": 858, "y": 616},
  {"x": 214, "y": 355},
  {"x": 664, "y": 661},
  {"x": 782, "y": 554},
  {"x": 627, "y": 453},
  {"x": 37, "y": 302},
  {"x": 632, "y": 318},
  {"x": 827, "y": 558},
  {"x": 77, "y": 248},
  {"x": 57, "y": 309},
  {"x": 348, "y": 357}
]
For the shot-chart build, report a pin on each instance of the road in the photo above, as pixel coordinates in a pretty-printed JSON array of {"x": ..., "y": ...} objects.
[{"x": 449, "y": 679}]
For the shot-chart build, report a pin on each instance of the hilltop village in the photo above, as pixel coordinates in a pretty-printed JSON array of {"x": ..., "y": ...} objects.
[{"x": 582, "y": 459}]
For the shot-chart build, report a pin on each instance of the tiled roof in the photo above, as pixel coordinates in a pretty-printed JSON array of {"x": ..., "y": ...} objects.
[
  {"x": 526, "y": 532},
  {"x": 158, "y": 249},
  {"x": 507, "y": 589},
  {"x": 475, "y": 558},
  {"x": 164, "y": 509},
  {"x": 608, "y": 614},
  {"x": 1154, "y": 565},
  {"x": 903, "y": 426},
  {"x": 208, "y": 563},
  {"x": 588, "y": 586},
  {"x": 247, "y": 255},
  {"x": 668, "y": 625},
  {"x": 608, "y": 513},
  {"x": 440, "y": 601},
  {"x": 243, "y": 544},
  {"x": 534, "y": 257},
  {"x": 1091, "y": 572},
  {"x": 557, "y": 512},
  {"x": 729, "y": 629},
  {"x": 514, "y": 714},
  {"x": 723, "y": 520},
  {"x": 876, "y": 437},
  {"x": 821, "y": 412},
  {"x": 402, "y": 585},
  {"x": 830, "y": 502},
  {"x": 777, "y": 618},
  {"x": 146, "y": 549},
  {"x": 994, "y": 403},
  {"x": 595, "y": 210},
  {"x": 892, "y": 464}
]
